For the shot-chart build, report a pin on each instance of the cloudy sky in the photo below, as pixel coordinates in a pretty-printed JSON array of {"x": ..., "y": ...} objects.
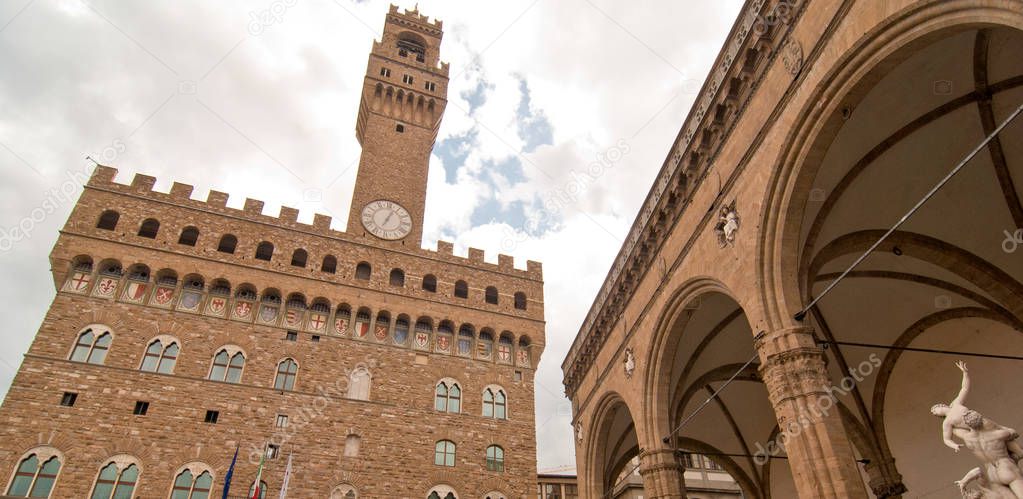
[{"x": 560, "y": 114}]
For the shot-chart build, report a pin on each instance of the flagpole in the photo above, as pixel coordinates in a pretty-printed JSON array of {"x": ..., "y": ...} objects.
[
  {"x": 230, "y": 473},
  {"x": 287, "y": 478}
]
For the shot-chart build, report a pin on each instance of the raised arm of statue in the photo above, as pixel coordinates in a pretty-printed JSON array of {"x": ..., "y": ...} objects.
[
  {"x": 974, "y": 474},
  {"x": 965, "y": 390}
]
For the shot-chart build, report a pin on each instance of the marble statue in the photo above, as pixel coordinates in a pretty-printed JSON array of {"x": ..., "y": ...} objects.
[
  {"x": 996, "y": 446},
  {"x": 630, "y": 363}
]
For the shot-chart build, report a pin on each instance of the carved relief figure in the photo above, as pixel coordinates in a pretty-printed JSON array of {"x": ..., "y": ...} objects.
[
  {"x": 630, "y": 362},
  {"x": 997, "y": 447},
  {"x": 728, "y": 225}
]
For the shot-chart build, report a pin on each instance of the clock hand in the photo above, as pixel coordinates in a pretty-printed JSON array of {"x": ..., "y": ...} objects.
[{"x": 388, "y": 221}]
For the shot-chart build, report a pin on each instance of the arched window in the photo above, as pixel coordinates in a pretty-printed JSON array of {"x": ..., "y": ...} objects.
[
  {"x": 436, "y": 495},
  {"x": 116, "y": 482},
  {"x": 299, "y": 257},
  {"x": 461, "y": 289},
  {"x": 227, "y": 367},
  {"x": 329, "y": 264},
  {"x": 495, "y": 458},
  {"x": 265, "y": 251},
  {"x": 189, "y": 236},
  {"x": 522, "y": 353},
  {"x": 92, "y": 345},
  {"x": 495, "y": 403},
  {"x": 35, "y": 476},
  {"x": 401, "y": 327},
  {"x": 444, "y": 453},
  {"x": 228, "y": 242},
  {"x": 363, "y": 271},
  {"x": 149, "y": 228},
  {"x": 520, "y": 300},
  {"x": 491, "y": 295},
  {"x": 466, "y": 335},
  {"x": 262, "y": 490},
  {"x": 287, "y": 370},
  {"x": 430, "y": 283},
  {"x": 108, "y": 220},
  {"x": 359, "y": 383},
  {"x": 344, "y": 492},
  {"x": 448, "y": 397},
  {"x": 189, "y": 486},
  {"x": 160, "y": 359},
  {"x": 352, "y": 444},
  {"x": 397, "y": 278}
]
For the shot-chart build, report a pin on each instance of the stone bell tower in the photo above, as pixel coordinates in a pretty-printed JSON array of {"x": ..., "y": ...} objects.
[{"x": 403, "y": 100}]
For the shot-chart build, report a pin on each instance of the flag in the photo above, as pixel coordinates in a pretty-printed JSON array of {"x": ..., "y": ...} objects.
[
  {"x": 287, "y": 478},
  {"x": 256, "y": 492},
  {"x": 230, "y": 472}
]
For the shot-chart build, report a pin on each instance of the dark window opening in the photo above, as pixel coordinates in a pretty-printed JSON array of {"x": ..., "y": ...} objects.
[
  {"x": 227, "y": 243},
  {"x": 149, "y": 228},
  {"x": 189, "y": 236},
  {"x": 108, "y": 220},
  {"x": 461, "y": 289},
  {"x": 520, "y": 300},
  {"x": 69, "y": 399},
  {"x": 298, "y": 258},
  {"x": 430, "y": 283},
  {"x": 265, "y": 251},
  {"x": 397, "y": 277},
  {"x": 329, "y": 264},
  {"x": 212, "y": 417},
  {"x": 291, "y": 336},
  {"x": 491, "y": 295},
  {"x": 399, "y": 128},
  {"x": 141, "y": 408},
  {"x": 363, "y": 271}
]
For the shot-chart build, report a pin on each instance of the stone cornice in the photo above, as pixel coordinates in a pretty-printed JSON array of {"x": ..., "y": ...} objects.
[{"x": 753, "y": 42}]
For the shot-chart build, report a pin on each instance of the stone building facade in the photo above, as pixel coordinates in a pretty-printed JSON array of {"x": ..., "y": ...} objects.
[
  {"x": 821, "y": 125},
  {"x": 183, "y": 330}
]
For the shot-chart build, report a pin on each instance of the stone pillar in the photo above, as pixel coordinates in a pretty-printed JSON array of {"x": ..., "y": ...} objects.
[
  {"x": 662, "y": 474},
  {"x": 819, "y": 451},
  {"x": 884, "y": 479}
]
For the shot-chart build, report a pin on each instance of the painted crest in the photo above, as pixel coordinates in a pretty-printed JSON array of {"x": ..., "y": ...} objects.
[
  {"x": 464, "y": 347},
  {"x": 242, "y": 309},
  {"x": 422, "y": 340},
  {"x": 217, "y": 305},
  {"x": 292, "y": 317},
  {"x": 78, "y": 283},
  {"x": 504, "y": 353},
  {"x": 361, "y": 329},
  {"x": 267, "y": 314},
  {"x": 523, "y": 358},
  {"x": 105, "y": 287},
  {"x": 341, "y": 326},
  {"x": 317, "y": 321},
  {"x": 189, "y": 301},
  {"x": 380, "y": 332},
  {"x": 135, "y": 291},
  {"x": 163, "y": 296},
  {"x": 443, "y": 343},
  {"x": 483, "y": 350}
]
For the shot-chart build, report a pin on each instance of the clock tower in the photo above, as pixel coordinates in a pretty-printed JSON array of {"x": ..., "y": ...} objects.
[{"x": 403, "y": 100}]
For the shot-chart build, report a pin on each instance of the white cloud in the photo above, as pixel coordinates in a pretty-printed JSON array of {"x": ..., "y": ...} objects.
[{"x": 274, "y": 115}]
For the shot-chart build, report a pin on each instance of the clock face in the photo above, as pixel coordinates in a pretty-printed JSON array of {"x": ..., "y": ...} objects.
[{"x": 386, "y": 219}]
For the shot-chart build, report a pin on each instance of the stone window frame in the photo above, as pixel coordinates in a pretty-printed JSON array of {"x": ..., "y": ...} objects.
[
  {"x": 93, "y": 328},
  {"x": 122, "y": 462},
  {"x": 495, "y": 388},
  {"x": 231, "y": 351},
  {"x": 442, "y": 490},
  {"x": 278, "y": 373},
  {"x": 445, "y": 452},
  {"x": 498, "y": 459},
  {"x": 43, "y": 453},
  {"x": 341, "y": 491},
  {"x": 448, "y": 383},
  {"x": 166, "y": 340},
  {"x": 197, "y": 468}
]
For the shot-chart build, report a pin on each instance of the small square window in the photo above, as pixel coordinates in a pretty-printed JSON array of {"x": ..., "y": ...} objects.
[
  {"x": 282, "y": 421},
  {"x": 386, "y": 73},
  {"x": 69, "y": 399},
  {"x": 431, "y": 86},
  {"x": 400, "y": 128},
  {"x": 316, "y": 338},
  {"x": 408, "y": 79},
  {"x": 141, "y": 408},
  {"x": 273, "y": 451},
  {"x": 518, "y": 375},
  {"x": 292, "y": 336},
  {"x": 212, "y": 417}
]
